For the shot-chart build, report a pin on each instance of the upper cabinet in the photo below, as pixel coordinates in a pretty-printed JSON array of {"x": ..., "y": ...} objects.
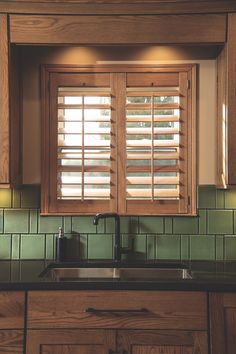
[{"x": 10, "y": 126}]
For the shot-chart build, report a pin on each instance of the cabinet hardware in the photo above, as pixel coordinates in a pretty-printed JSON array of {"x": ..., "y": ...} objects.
[{"x": 93, "y": 310}]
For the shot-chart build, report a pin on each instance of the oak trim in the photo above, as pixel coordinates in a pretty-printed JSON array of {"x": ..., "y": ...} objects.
[
  {"x": 4, "y": 102},
  {"x": 231, "y": 75},
  {"x": 113, "y": 7},
  {"x": 182, "y": 29}
]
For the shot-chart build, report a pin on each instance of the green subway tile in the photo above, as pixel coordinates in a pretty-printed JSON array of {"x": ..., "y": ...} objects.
[
  {"x": 67, "y": 224},
  {"x": 202, "y": 247},
  {"x": 5, "y": 273},
  {"x": 101, "y": 227},
  {"x": 5, "y": 249},
  {"x": 220, "y": 199},
  {"x": 185, "y": 247},
  {"x": 30, "y": 197},
  {"x": 202, "y": 219},
  {"x": 230, "y": 198},
  {"x": 32, "y": 247},
  {"x": 16, "y": 198},
  {"x": 83, "y": 224},
  {"x": 5, "y": 198},
  {"x": 100, "y": 246},
  {"x": 219, "y": 248},
  {"x": 31, "y": 269},
  {"x": 128, "y": 225},
  {"x": 230, "y": 248},
  {"x": 33, "y": 221},
  {"x": 185, "y": 225},
  {"x": 168, "y": 225},
  {"x": 50, "y": 246},
  {"x": 220, "y": 221},
  {"x": 168, "y": 247},
  {"x": 16, "y": 221},
  {"x": 1, "y": 221},
  {"x": 109, "y": 224},
  {"x": 139, "y": 246},
  {"x": 151, "y": 224},
  {"x": 83, "y": 246},
  {"x": 151, "y": 247},
  {"x": 49, "y": 224},
  {"x": 15, "y": 250},
  {"x": 206, "y": 197}
]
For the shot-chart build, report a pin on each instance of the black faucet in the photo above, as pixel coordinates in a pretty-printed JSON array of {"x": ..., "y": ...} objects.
[{"x": 117, "y": 245}]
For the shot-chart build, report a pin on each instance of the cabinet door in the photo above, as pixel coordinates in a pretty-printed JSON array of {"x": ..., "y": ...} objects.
[
  {"x": 70, "y": 341},
  {"x": 223, "y": 322},
  {"x": 162, "y": 342}
]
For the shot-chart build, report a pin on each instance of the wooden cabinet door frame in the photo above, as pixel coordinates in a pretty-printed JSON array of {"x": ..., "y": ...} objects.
[
  {"x": 158, "y": 342},
  {"x": 65, "y": 338}
]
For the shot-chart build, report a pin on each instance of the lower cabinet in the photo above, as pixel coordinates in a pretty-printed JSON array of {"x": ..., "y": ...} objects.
[
  {"x": 78, "y": 341},
  {"x": 223, "y": 323},
  {"x": 117, "y": 322}
]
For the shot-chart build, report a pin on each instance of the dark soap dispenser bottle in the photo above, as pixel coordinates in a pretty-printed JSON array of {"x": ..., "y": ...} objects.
[{"x": 60, "y": 246}]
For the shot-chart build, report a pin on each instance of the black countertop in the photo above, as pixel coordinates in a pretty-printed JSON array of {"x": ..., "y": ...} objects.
[{"x": 207, "y": 276}]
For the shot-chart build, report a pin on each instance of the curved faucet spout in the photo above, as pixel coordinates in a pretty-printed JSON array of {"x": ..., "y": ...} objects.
[{"x": 117, "y": 245}]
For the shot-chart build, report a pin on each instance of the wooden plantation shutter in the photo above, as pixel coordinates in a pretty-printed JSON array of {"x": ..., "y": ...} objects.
[
  {"x": 157, "y": 141},
  {"x": 118, "y": 139}
]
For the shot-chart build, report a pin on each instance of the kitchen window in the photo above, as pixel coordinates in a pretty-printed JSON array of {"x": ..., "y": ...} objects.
[{"x": 119, "y": 139}]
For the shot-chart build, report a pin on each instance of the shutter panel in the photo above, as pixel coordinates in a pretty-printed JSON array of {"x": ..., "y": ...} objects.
[{"x": 84, "y": 152}]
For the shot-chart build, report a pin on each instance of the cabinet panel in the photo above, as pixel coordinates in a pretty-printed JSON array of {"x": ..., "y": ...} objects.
[
  {"x": 223, "y": 322},
  {"x": 162, "y": 342},
  {"x": 164, "y": 309},
  {"x": 70, "y": 341},
  {"x": 11, "y": 342}
]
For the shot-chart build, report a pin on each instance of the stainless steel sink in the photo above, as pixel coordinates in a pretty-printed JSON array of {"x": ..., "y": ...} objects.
[{"x": 76, "y": 273}]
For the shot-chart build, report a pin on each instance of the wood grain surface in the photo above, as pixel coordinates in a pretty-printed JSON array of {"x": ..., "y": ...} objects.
[
  {"x": 118, "y": 29},
  {"x": 166, "y": 310},
  {"x": 4, "y": 102}
]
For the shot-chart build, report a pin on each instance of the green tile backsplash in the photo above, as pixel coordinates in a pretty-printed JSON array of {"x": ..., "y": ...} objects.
[{"x": 211, "y": 235}]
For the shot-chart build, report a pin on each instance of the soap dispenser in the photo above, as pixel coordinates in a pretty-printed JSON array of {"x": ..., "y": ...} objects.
[{"x": 60, "y": 246}]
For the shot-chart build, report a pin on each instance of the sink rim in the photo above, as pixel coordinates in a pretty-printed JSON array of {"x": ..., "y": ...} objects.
[{"x": 70, "y": 272}]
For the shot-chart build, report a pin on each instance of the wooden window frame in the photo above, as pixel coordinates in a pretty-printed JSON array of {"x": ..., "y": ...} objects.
[{"x": 50, "y": 205}]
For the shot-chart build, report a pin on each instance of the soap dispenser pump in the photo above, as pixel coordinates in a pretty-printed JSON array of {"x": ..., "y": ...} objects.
[{"x": 60, "y": 246}]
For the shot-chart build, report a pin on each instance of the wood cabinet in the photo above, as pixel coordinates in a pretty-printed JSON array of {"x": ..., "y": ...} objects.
[
  {"x": 135, "y": 322},
  {"x": 12, "y": 311},
  {"x": 10, "y": 125},
  {"x": 223, "y": 323}
]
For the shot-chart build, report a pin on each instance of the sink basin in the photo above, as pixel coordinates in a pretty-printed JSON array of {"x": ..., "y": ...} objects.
[{"x": 142, "y": 273}]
